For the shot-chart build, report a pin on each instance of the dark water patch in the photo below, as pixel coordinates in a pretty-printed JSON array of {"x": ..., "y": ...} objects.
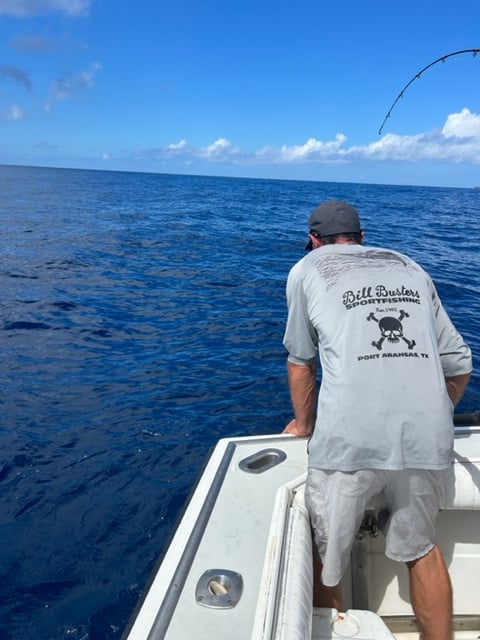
[
  {"x": 24, "y": 325},
  {"x": 23, "y": 276},
  {"x": 64, "y": 306}
]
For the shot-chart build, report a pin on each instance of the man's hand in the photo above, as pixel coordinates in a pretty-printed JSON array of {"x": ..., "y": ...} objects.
[{"x": 296, "y": 430}]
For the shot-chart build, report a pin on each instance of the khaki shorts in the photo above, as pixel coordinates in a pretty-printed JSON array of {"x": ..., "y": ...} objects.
[{"x": 336, "y": 502}]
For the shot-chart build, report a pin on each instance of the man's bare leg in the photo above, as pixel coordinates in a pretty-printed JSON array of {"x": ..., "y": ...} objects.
[
  {"x": 431, "y": 594},
  {"x": 324, "y": 596}
]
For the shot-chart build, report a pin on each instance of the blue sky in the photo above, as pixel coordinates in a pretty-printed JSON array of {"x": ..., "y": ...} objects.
[{"x": 257, "y": 88}]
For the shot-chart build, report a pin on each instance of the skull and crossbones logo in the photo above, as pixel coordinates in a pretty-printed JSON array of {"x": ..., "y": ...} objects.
[{"x": 391, "y": 329}]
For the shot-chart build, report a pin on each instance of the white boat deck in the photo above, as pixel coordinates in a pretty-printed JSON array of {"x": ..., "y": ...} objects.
[{"x": 239, "y": 566}]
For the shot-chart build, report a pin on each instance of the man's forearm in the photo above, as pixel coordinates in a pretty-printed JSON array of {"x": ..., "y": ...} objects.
[
  {"x": 456, "y": 386},
  {"x": 302, "y": 380}
]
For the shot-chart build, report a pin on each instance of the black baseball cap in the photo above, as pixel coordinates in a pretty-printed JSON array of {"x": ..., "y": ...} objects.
[{"x": 332, "y": 217}]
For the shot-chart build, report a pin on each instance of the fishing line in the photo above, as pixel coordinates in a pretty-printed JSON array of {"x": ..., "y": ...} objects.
[{"x": 417, "y": 76}]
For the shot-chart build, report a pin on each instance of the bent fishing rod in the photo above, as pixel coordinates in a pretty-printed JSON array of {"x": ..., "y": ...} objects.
[{"x": 418, "y": 75}]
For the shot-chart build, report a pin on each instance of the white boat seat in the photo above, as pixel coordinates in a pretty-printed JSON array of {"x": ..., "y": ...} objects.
[
  {"x": 294, "y": 621},
  {"x": 463, "y": 489}
]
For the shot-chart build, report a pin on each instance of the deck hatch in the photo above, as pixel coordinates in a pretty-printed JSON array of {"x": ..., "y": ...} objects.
[{"x": 262, "y": 460}]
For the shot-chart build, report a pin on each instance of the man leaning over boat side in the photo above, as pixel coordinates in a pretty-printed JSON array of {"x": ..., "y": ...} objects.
[{"x": 393, "y": 368}]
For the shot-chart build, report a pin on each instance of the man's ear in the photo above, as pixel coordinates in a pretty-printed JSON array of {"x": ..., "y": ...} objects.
[{"x": 316, "y": 242}]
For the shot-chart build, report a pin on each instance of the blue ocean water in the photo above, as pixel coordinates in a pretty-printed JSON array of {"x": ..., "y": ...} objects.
[{"x": 141, "y": 320}]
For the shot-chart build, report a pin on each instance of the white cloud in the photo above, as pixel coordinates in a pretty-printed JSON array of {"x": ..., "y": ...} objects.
[
  {"x": 221, "y": 149},
  {"x": 390, "y": 147},
  {"x": 27, "y": 8},
  {"x": 462, "y": 125},
  {"x": 457, "y": 142},
  {"x": 314, "y": 150},
  {"x": 179, "y": 146},
  {"x": 13, "y": 113},
  {"x": 68, "y": 85}
]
